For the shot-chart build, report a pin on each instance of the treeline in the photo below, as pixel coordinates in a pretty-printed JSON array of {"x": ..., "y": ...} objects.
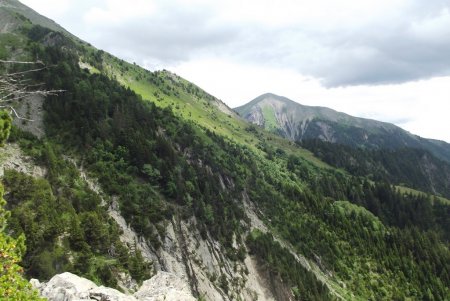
[{"x": 411, "y": 167}]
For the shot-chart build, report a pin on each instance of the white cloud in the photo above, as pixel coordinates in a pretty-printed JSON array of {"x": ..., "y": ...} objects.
[
  {"x": 118, "y": 11},
  {"x": 434, "y": 29},
  {"x": 54, "y": 8}
]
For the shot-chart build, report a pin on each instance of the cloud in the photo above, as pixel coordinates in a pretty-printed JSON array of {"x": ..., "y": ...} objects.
[
  {"x": 406, "y": 42},
  {"x": 408, "y": 49},
  {"x": 164, "y": 32}
]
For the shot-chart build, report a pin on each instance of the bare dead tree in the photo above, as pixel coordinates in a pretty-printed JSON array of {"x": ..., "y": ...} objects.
[{"x": 18, "y": 85}]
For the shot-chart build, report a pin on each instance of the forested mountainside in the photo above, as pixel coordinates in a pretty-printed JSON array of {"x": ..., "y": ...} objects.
[
  {"x": 143, "y": 171},
  {"x": 411, "y": 167},
  {"x": 298, "y": 122}
]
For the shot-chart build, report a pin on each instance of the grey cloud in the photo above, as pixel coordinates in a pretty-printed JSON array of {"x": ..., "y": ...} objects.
[
  {"x": 172, "y": 36},
  {"x": 389, "y": 51},
  {"x": 412, "y": 46},
  {"x": 394, "y": 56}
]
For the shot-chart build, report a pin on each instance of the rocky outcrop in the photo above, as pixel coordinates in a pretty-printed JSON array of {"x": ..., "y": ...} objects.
[
  {"x": 32, "y": 115},
  {"x": 70, "y": 287},
  {"x": 12, "y": 157}
]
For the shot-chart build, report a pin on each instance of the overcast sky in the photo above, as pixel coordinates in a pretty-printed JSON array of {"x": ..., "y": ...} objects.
[{"x": 383, "y": 59}]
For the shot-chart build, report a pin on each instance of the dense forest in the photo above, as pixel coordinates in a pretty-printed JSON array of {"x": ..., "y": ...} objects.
[
  {"x": 378, "y": 241},
  {"x": 411, "y": 167}
]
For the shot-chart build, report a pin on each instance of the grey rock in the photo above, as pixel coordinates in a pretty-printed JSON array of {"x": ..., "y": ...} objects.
[{"x": 70, "y": 287}]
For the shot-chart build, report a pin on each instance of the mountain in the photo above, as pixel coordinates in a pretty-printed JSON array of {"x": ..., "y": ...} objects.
[
  {"x": 127, "y": 174},
  {"x": 298, "y": 122}
]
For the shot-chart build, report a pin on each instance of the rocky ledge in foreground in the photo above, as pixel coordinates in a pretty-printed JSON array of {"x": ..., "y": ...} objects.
[{"x": 70, "y": 287}]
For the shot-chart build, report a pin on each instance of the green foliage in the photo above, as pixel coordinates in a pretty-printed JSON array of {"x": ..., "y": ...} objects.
[
  {"x": 278, "y": 261},
  {"x": 160, "y": 162},
  {"x": 12, "y": 284},
  {"x": 125, "y": 140},
  {"x": 66, "y": 227},
  {"x": 121, "y": 137},
  {"x": 405, "y": 166},
  {"x": 38, "y": 32},
  {"x": 5, "y": 126}
]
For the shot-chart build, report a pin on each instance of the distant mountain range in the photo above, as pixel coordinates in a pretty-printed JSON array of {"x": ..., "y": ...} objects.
[{"x": 299, "y": 122}]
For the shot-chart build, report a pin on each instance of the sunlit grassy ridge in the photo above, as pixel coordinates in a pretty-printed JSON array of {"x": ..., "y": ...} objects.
[{"x": 191, "y": 103}]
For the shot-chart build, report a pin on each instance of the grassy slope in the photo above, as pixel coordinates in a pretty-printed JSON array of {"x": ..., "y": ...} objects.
[
  {"x": 192, "y": 103},
  {"x": 269, "y": 117}
]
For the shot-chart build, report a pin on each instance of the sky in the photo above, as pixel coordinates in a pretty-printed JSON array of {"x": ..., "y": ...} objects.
[{"x": 387, "y": 60}]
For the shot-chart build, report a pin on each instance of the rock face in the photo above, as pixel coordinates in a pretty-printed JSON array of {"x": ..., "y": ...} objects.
[{"x": 70, "y": 287}]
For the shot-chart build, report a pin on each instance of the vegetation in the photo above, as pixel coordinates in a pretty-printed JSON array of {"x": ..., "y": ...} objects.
[
  {"x": 406, "y": 166},
  {"x": 12, "y": 284},
  {"x": 279, "y": 262},
  {"x": 66, "y": 226},
  {"x": 375, "y": 241},
  {"x": 5, "y": 126}
]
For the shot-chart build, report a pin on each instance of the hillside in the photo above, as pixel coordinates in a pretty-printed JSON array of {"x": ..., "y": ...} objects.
[
  {"x": 139, "y": 173},
  {"x": 298, "y": 122}
]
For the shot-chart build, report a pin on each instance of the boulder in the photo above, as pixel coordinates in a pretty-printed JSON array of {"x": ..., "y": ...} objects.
[
  {"x": 67, "y": 287},
  {"x": 70, "y": 287}
]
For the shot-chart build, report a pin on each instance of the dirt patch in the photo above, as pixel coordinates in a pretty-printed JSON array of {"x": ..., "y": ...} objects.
[{"x": 31, "y": 109}]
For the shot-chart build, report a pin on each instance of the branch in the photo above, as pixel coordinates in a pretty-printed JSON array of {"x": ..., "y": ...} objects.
[{"x": 15, "y": 86}]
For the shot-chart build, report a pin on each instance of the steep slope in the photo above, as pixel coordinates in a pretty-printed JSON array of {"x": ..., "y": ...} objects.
[
  {"x": 298, "y": 122},
  {"x": 145, "y": 171}
]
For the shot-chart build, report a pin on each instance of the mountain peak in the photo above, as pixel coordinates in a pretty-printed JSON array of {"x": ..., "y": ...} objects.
[
  {"x": 271, "y": 97},
  {"x": 299, "y": 122}
]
